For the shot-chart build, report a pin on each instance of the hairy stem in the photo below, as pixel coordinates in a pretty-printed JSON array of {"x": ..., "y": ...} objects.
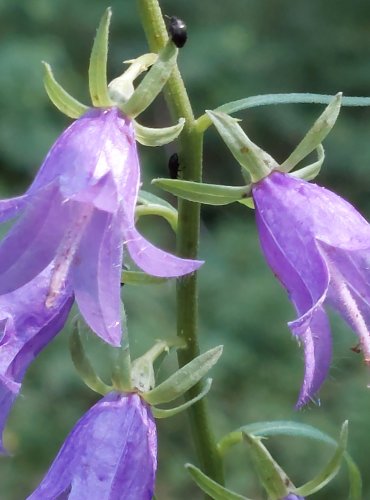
[{"x": 191, "y": 147}]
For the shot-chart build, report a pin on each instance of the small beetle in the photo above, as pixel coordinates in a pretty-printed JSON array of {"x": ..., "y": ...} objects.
[
  {"x": 177, "y": 31},
  {"x": 174, "y": 165}
]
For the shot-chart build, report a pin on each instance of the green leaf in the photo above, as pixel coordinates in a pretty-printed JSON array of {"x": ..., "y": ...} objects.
[
  {"x": 210, "y": 487},
  {"x": 256, "y": 162},
  {"x": 330, "y": 470},
  {"x": 273, "y": 478},
  {"x": 152, "y": 83},
  {"x": 98, "y": 84},
  {"x": 210, "y": 194},
  {"x": 59, "y": 97},
  {"x": 82, "y": 363},
  {"x": 157, "y": 136},
  {"x": 140, "y": 278},
  {"x": 315, "y": 135},
  {"x": 146, "y": 198},
  {"x": 170, "y": 215},
  {"x": 170, "y": 412},
  {"x": 185, "y": 378},
  {"x": 289, "y": 428}
]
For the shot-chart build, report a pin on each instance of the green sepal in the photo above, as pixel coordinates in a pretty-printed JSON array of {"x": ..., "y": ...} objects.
[
  {"x": 157, "y": 136},
  {"x": 315, "y": 135},
  {"x": 149, "y": 204},
  {"x": 82, "y": 363},
  {"x": 295, "y": 429},
  {"x": 121, "y": 88},
  {"x": 248, "y": 202},
  {"x": 209, "y": 194},
  {"x": 273, "y": 478},
  {"x": 256, "y": 162},
  {"x": 170, "y": 412},
  {"x": 142, "y": 371},
  {"x": 152, "y": 83},
  {"x": 121, "y": 366},
  {"x": 98, "y": 84},
  {"x": 169, "y": 215},
  {"x": 311, "y": 171},
  {"x": 59, "y": 97},
  {"x": 185, "y": 378},
  {"x": 330, "y": 470},
  {"x": 140, "y": 278},
  {"x": 146, "y": 198},
  {"x": 210, "y": 487}
]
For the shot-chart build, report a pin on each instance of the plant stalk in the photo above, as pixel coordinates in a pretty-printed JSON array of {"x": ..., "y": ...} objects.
[{"x": 190, "y": 155}]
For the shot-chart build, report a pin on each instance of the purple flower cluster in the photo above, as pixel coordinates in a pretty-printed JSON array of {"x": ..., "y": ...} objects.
[{"x": 67, "y": 244}]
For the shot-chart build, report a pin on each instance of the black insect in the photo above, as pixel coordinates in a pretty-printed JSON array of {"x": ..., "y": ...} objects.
[
  {"x": 174, "y": 166},
  {"x": 177, "y": 31}
]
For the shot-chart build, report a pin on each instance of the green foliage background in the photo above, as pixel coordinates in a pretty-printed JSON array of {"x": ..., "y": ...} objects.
[{"x": 236, "y": 48}]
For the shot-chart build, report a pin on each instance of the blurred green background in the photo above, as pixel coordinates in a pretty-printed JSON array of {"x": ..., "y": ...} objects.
[{"x": 236, "y": 48}]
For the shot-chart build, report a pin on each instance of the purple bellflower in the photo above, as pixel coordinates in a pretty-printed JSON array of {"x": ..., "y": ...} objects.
[
  {"x": 76, "y": 218},
  {"x": 110, "y": 454},
  {"x": 27, "y": 325},
  {"x": 292, "y": 496},
  {"x": 318, "y": 246}
]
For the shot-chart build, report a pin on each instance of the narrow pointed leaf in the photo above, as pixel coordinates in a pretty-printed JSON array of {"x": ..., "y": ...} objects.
[
  {"x": 140, "y": 278},
  {"x": 311, "y": 171},
  {"x": 83, "y": 365},
  {"x": 185, "y": 378},
  {"x": 252, "y": 158},
  {"x": 98, "y": 84},
  {"x": 209, "y": 194},
  {"x": 210, "y": 487},
  {"x": 315, "y": 135},
  {"x": 330, "y": 470},
  {"x": 146, "y": 198},
  {"x": 157, "y": 136},
  {"x": 289, "y": 428},
  {"x": 170, "y": 215},
  {"x": 60, "y": 98},
  {"x": 273, "y": 478},
  {"x": 165, "y": 413},
  {"x": 153, "y": 82}
]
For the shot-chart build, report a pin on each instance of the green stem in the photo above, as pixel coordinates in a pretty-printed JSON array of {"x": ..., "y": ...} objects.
[{"x": 191, "y": 148}]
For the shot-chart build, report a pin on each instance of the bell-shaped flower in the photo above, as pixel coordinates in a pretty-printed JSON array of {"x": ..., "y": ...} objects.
[
  {"x": 110, "y": 454},
  {"x": 318, "y": 246},
  {"x": 27, "y": 325},
  {"x": 77, "y": 216}
]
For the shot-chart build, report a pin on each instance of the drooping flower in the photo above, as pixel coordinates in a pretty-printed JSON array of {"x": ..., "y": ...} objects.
[
  {"x": 111, "y": 454},
  {"x": 27, "y": 326},
  {"x": 318, "y": 246},
  {"x": 292, "y": 496},
  {"x": 77, "y": 216}
]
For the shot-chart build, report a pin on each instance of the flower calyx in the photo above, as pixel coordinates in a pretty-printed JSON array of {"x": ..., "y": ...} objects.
[
  {"x": 138, "y": 376},
  {"x": 121, "y": 92}
]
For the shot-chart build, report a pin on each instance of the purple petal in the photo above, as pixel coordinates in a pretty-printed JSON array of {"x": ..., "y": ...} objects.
[
  {"x": 97, "y": 145},
  {"x": 12, "y": 206},
  {"x": 109, "y": 455},
  {"x": 154, "y": 261},
  {"x": 312, "y": 327},
  {"x": 32, "y": 242},
  {"x": 27, "y": 327},
  {"x": 96, "y": 276}
]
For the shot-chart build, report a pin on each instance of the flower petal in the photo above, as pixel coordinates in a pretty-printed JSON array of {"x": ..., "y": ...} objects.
[
  {"x": 32, "y": 242},
  {"x": 27, "y": 327},
  {"x": 110, "y": 454},
  {"x": 154, "y": 261},
  {"x": 312, "y": 327},
  {"x": 96, "y": 276},
  {"x": 10, "y": 207}
]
